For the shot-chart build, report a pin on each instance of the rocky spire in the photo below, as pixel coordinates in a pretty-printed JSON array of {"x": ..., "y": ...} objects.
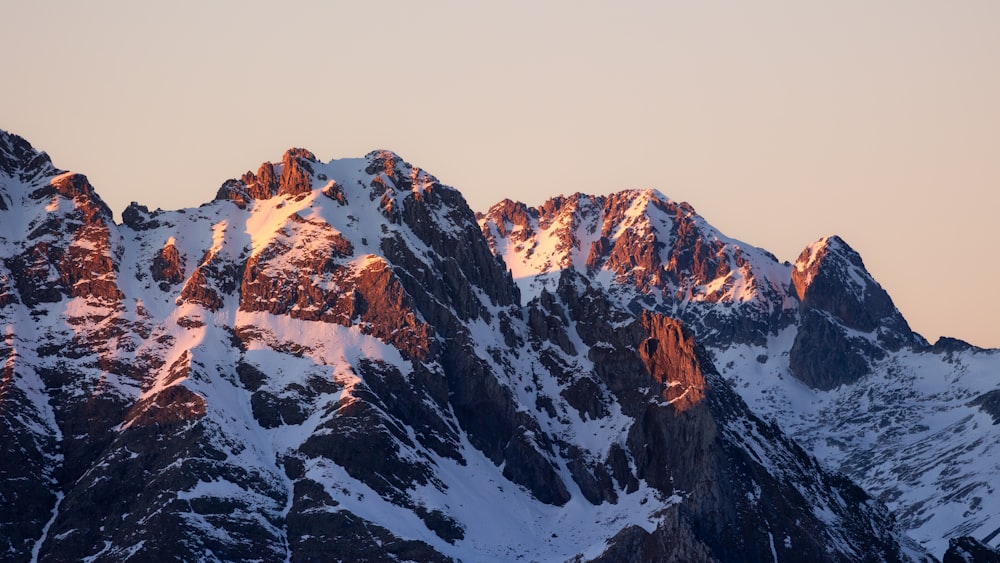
[{"x": 839, "y": 299}]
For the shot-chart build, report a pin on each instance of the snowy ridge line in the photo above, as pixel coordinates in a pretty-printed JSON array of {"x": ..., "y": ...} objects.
[{"x": 329, "y": 359}]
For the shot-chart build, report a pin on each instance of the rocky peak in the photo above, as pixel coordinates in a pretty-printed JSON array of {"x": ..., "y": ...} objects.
[
  {"x": 76, "y": 187},
  {"x": 70, "y": 230},
  {"x": 292, "y": 176},
  {"x": 265, "y": 184},
  {"x": 846, "y": 319},
  {"x": 949, "y": 345},
  {"x": 341, "y": 369},
  {"x": 967, "y": 549},
  {"x": 19, "y": 160},
  {"x": 830, "y": 276},
  {"x": 649, "y": 251},
  {"x": 296, "y": 168},
  {"x": 508, "y": 220}
]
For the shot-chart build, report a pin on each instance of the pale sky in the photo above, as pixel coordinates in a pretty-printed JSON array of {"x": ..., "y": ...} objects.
[{"x": 779, "y": 121}]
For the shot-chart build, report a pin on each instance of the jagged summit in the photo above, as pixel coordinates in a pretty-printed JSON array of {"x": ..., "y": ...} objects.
[
  {"x": 847, "y": 319},
  {"x": 650, "y": 251},
  {"x": 299, "y": 171},
  {"x": 18, "y": 159},
  {"x": 329, "y": 360},
  {"x": 842, "y": 256},
  {"x": 31, "y": 177},
  {"x": 830, "y": 276}
]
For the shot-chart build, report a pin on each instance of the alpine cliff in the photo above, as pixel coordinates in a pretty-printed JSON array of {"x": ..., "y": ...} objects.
[
  {"x": 341, "y": 361},
  {"x": 817, "y": 347}
]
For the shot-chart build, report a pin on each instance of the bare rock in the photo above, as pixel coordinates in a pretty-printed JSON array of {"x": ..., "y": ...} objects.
[
  {"x": 138, "y": 218},
  {"x": 296, "y": 168},
  {"x": 168, "y": 266},
  {"x": 838, "y": 296},
  {"x": 989, "y": 402}
]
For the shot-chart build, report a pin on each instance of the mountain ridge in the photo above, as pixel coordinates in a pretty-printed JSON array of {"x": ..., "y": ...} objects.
[
  {"x": 255, "y": 335},
  {"x": 839, "y": 336}
]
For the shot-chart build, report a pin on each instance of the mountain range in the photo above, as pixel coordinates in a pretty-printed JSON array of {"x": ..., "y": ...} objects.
[{"x": 342, "y": 361}]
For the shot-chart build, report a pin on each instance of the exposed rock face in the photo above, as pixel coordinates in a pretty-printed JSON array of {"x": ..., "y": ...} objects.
[
  {"x": 139, "y": 218},
  {"x": 989, "y": 402},
  {"x": 265, "y": 185},
  {"x": 69, "y": 252},
  {"x": 294, "y": 272},
  {"x": 59, "y": 252},
  {"x": 838, "y": 300},
  {"x": 830, "y": 276},
  {"x": 330, "y": 363},
  {"x": 652, "y": 253},
  {"x": 20, "y": 161},
  {"x": 291, "y": 177},
  {"x": 669, "y": 352},
  {"x": 823, "y": 321},
  {"x": 296, "y": 166},
  {"x": 168, "y": 266},
  {"x": 825, "y": 356}
]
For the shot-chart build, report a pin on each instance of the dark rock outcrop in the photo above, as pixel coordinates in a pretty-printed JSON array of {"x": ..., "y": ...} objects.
[
  {"x": 830, "y": 276},
  {"x": 139, "y": 218},
  {"x": 838, "y": 300},
  {"x": 966, "y": 549},
  {"x": 20, "y": 161},
  {"x": 948, "y": 345},
  {"x": 989, "y": 403}
]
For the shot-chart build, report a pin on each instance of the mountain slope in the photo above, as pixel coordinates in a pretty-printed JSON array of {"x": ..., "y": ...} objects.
[
  {"x": 327, "y": 361},
  {"x": 650, "y": 253},
  {"x": 816, "y": 346}
]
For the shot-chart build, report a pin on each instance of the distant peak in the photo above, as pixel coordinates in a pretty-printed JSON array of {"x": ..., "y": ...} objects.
[
  {"x": 381, "y": 154},
  {"x": 647, "y": 194},
  {"x": 640, "y": 198},
  {"x": 829, "y": 275},
  {"x": 834, "y": 242},
  {"x": 295, "y": 153},
  {"x": 814, "y": 254},
  {"x": 652, "y": 195},
  {"x": 383, "y": 161}
]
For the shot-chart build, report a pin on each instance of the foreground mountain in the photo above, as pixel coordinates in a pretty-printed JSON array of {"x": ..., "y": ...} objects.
[
  {"x": 816, "y": 346},
  {"x": 328, "y": 362}
]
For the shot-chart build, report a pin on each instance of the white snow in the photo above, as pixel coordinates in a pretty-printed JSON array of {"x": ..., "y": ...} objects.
[
  {"x": 906, "y": 433},
  {"x": 45, "y": 529}
]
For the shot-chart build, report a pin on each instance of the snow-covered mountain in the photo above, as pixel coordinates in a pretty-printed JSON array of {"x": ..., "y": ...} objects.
[
  {"x": 329, "y": 362},
  {"x": 817, "y": 347}
]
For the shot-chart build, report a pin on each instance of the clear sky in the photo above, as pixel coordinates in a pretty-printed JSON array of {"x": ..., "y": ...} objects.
[{"x": 780, "y": 121}]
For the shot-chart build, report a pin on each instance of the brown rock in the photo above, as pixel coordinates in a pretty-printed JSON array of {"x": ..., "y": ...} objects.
[
  {"x": 267, "y": 183},
  {"x": 168, "y": 266},
  {"x": 198, "y": 290},
  {"x": 296, "y": 167},
  {"x": 234, "y": 191},
  {"x": 174, "y": 404},
  {"x": 669, "y": 356}
]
